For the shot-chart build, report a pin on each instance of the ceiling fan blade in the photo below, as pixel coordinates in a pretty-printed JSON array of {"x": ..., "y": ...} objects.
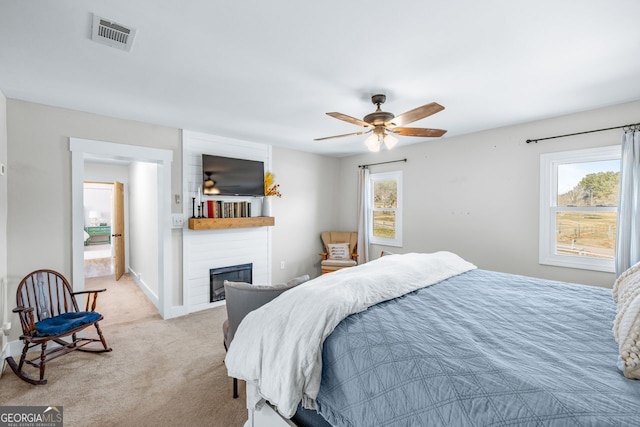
[
  {"x": 340, "y": 136},
  {"x": 433, "y": 133},
  {"x": 416, "y": 114},
  {"x": 349, "y": 119}
]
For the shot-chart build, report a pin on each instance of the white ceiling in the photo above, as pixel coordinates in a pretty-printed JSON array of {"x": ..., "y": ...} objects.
[{"x": 267, "y": 71}]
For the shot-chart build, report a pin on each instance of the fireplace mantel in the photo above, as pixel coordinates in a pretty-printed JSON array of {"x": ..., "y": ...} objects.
[{"x": 221, "y": 223}]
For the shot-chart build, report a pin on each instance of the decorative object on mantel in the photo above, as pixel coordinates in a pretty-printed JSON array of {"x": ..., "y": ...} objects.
[
  {"x": 199, "y": 202},
  {"x": 270, "y": 189},
  {"x": 266, "y": 206}
]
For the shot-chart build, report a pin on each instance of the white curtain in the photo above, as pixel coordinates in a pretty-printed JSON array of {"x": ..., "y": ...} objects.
[
  {"x": 628, "y": 239},
  {"x": 363, "y": 215}
]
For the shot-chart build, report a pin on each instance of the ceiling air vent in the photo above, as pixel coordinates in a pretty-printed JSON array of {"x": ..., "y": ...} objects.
[{"x": 112, "y": 34}]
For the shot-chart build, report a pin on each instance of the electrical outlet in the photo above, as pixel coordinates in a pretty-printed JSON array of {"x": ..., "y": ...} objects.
[
  {"x": 281, "y": 265},
  {"x": 6, "y": 328}
]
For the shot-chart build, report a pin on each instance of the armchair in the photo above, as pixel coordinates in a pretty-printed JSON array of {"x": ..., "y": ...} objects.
[{"x": 340, "y": 250}]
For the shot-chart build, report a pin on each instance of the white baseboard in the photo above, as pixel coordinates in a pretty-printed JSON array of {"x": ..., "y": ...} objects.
[
  {"x": 145, "y": 288},
  {"x": 13, "y": 348},
  {"x": 5, "y": 351}
]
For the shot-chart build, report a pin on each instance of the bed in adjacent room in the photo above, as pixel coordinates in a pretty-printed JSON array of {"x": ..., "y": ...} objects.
[{"x": 430, "y": 340}]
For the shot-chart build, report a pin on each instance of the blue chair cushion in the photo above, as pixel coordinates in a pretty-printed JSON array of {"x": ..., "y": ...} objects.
[{"x": 65, "y": 322}]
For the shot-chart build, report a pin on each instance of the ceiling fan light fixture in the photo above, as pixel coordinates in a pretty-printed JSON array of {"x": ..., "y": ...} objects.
[
  {"x": 390, "y": 141},
  {"x": 372, "y": 143}
]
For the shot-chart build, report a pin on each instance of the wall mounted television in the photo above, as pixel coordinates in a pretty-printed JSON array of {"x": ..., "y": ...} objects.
[{"x": 226, "y": 176}]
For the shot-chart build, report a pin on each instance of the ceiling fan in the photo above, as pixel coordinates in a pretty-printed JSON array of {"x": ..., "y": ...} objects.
[{"x": 382, "y": 125}]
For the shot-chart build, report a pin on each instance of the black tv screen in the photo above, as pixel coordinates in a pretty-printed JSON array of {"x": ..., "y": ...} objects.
[{"x": 226, "y": 176}]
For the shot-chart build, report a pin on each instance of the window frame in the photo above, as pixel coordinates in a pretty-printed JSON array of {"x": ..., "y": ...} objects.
[
  {"x": 549, "y": 208},
  {"x": 385, "y": 176}
]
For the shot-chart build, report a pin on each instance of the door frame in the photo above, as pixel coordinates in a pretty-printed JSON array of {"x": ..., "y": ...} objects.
[{"x": 86, "y": 149}]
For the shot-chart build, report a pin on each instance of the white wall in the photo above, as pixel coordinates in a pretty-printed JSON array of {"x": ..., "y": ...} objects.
[
  {"x": 98, "y": 198},
  {"x": 40, "y": 175},
  {"x": 310, "y": 185},
  {"x": 478, "y": 194},
  {"x": 143, "y": 227},
  {"x": 5, "y": 298}
]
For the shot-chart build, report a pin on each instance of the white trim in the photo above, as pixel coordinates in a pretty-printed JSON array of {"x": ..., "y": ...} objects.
[
  {"x": 82, "y": 149},
  {"x": 548, "y": 207}
]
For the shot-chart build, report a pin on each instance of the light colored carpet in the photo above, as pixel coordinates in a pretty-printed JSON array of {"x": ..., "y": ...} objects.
[
  {"x": 160, "y": 372},
  {"x": 97, "y": 251}
]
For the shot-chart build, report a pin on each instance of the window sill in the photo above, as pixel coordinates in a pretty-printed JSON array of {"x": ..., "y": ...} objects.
[{"x": 580, "y": 263}]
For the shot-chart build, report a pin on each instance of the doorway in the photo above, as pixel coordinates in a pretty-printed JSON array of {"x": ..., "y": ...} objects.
[
  {"x": 84, "y": 151},
  {"x": 98, "y": 225}
]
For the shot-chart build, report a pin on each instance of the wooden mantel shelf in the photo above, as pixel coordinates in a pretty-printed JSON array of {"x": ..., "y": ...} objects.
[{"x": 218, "y": 223}]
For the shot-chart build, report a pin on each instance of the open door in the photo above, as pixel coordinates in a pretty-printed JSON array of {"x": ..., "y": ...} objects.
[{"x": 118, "y": 227}]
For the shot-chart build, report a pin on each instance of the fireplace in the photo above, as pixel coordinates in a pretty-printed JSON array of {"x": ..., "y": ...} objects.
[{"x": 233, "y": 273}]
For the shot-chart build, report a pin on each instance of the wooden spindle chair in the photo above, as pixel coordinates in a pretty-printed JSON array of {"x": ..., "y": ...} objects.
[{"x": 48, "y": 311}]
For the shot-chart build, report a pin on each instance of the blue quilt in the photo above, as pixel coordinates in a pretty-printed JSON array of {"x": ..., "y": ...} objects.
[{"x": 480, "y": 349}]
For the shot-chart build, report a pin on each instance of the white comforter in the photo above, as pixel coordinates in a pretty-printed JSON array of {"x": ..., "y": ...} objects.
[{"x": 278, "y": 347}]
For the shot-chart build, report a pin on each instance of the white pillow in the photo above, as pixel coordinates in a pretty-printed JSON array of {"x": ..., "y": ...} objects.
[
  {"x": 625, "y": 283},
  {"x": 339, "y": 251},
  {"x": 625, "y": 290},
  {"x": 629, "y": 334}
]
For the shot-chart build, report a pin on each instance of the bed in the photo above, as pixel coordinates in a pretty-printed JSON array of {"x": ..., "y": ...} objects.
[{"x": 459, "y": 347}]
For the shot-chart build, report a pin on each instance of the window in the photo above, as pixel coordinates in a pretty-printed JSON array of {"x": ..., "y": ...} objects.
[
  {"x": 579, "y": 208},
  {"x": 385, "y": 206}
]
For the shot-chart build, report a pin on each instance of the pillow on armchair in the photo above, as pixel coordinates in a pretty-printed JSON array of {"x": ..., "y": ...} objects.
[{"x": 339, "y": 251}]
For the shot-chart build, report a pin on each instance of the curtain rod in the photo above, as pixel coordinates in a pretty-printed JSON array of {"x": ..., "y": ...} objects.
[
  {"x": 580, "y": 133},
  {"x": 381, "y": 163}
]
